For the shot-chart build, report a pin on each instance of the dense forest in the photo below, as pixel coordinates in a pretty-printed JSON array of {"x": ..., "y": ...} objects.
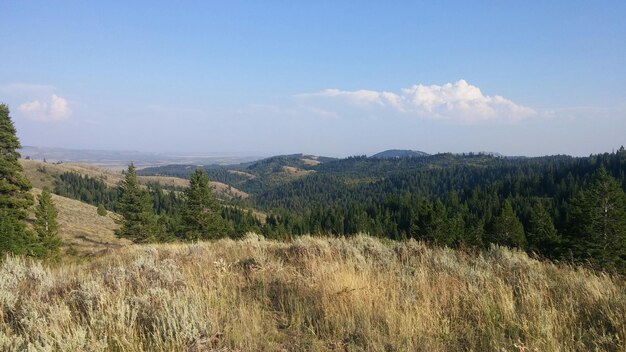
[{"x": 559, "y": 207}]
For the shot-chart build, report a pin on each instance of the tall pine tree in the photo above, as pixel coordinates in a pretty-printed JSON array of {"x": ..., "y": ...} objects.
[
  {"x": 201, "y": 214},
  {"x": 46, "y": 226},
  {"x": 597, "y": 231},
  {"x": 138, "y": 222},
  {"x": 14, "y": 197},
  {"x": 506, "y": 229},
  {"x": 541, "y": 234}
]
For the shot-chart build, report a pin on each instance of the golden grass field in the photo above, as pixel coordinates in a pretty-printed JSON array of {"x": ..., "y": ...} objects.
[{"x": 312, "y": 294}]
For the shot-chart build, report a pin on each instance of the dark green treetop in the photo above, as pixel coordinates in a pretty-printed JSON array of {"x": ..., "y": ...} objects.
[
  {"x": 541, "y": 234},
  {"x": 598, "y": 228},
  {"x": 507, "y": 230},
  {"x": 201, "y": 214},
  {"x": 138, "y": 222}
]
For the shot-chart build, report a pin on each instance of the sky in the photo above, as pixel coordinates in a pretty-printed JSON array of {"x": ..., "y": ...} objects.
[{"x": 334, "y": 78}]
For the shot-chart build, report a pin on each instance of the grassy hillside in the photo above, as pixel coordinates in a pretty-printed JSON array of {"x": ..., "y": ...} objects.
[
  {"x": 313, "y": 294},
  {"x": 43, "y": 175},
  {"x": 250, "y": 177},
  {"x": 82, "y": 230}
]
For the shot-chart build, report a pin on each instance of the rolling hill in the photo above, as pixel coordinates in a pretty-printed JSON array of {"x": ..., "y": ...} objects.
[
  {"x": 398, "y": 153},
  {"x": 43, "y": 174}
]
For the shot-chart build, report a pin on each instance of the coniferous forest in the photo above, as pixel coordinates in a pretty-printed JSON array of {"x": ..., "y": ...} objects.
[{"x": 558, "y": 207}]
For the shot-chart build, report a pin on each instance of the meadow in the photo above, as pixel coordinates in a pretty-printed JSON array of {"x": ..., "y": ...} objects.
[{"x": 310, "y": 294}]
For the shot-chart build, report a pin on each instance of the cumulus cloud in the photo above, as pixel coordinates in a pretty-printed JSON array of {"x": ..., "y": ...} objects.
[
  {"x": 459, "y": 101},
  {"x": 55, "y": 108}
]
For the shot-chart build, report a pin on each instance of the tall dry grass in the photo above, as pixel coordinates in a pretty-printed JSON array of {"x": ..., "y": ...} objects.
[{"x": 316, "y": 294}]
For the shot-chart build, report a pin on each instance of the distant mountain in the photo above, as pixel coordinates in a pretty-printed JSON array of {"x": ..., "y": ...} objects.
[
  {"x": 116, "y": 158},
  {"x": 398, "y": 153}
]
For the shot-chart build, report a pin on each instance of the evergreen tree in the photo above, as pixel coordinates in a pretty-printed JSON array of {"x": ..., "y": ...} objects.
[
  {"x": 475, "y": 235},
  {"x": 201, "y": 214},
  {"x": 542, "y": 236},
  {"x": 506, "y": 229},
  {"x": 598, "y": 226},
  {"x": 46, "y": 226},
  {"x": 138, "y": 222},
  {"x": 102, "y": 211},
  {"x": 14, "y": 197}
]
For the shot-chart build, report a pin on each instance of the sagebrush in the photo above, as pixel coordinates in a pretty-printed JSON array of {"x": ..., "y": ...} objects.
[{"x": 316, "y": 294}]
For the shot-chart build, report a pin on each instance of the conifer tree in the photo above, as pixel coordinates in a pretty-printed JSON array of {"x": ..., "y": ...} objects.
[
  {"x": 14, "y": 187},
  {"x": 102, "y": 210},
  {"x": 46, "y": 226},
  {"x": 506, "y": 229},
  {"x": 138, "y": 222},
  {"x": 474, "y": 235},
  {"x": 201, "y": 215},
  {"x": 598, "y": 228},
  {"x": 542, "y": 236}
]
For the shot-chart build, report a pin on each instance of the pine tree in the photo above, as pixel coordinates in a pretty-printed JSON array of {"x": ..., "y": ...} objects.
[
  {"x": 201, "y": 215},
  {"x": 14, "y": 197},
  {"x": 597, "y": 231},
  {"x": 46, "y": 226},
  {"x": 102, "y": 211},
  {"x": 138, "y": 222},
  {"x": 542, "y": 236},
  {"x": 474, "y": 235},
  {"x": 506, "y": 229}
]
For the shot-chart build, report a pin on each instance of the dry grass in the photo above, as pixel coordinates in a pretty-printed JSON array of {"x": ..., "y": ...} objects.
[
  {"x": 241, "y": 173},
  {"x": 311, "y": 162},
  {"x": 164, "y": 181},
  {"x": 313, "y": 294},
  {"x": 294, "y": 171},
  {"x": 228, "y": 191},
  {"x": 43, "y": 175},
  {"x": 82, "y": 231}
]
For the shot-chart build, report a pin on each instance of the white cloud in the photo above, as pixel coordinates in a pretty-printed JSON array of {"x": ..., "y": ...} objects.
[
  {"x": 457, "y": 101},
  {"x": 54, "y": 109}
]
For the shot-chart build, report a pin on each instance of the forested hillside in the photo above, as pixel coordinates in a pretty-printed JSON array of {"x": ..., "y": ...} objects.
[
  {"x": 551, "y": 206},
  {"x": 544, "y": 205}
]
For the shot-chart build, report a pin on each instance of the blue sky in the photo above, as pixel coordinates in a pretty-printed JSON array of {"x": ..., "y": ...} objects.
[{"x": 324, "y": 77}]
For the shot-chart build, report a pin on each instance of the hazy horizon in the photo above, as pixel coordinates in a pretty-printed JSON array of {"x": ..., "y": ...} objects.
[
  {"x": 326, "y": 78},
  {"x": 254, "y": 154}
]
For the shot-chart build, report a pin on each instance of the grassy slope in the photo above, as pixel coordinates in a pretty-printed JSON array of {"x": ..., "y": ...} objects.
[
  {"x": 313, "y": 294},
  {"x": 82, "y": 230},
  {"x": 43, "y": 175}
]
